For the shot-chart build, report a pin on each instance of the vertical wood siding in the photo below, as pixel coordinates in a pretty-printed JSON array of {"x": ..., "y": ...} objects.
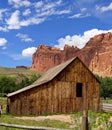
[{"x": 59, "y": 95}]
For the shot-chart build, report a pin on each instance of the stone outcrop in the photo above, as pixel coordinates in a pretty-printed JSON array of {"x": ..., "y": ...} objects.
[
  {"x": 47, "y": 57},
  {"x": 101, "y": 60},
  {"x": 97, "y": 55}
]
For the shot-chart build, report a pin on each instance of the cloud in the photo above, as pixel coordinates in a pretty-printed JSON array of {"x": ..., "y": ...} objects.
[
  {"x": 1, "y": 13},
  {"x": 33, "y": 13},
  {"x": 106, "y": 8},
  {"x": 24, "y": 37},
  {"x": 31, "y": 21},
  {"x": 13, "y": 22},
  {"x": 27, "y": 12},
  {"x": 28, "y": 52},
  {"x": 4, "y": 29},
  {"x": 40, "y": 11},
  {"x": 79, "y": 40},
  {"x": 19, "y": 3},
  {"x": 79, "y": 15},
  {"x": 3, "y": 41},
  {"x": 62, "y": 12},
  {"x": 38, "y": 4}
]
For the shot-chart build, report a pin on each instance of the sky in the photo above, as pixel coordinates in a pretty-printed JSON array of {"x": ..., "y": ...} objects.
[{"x": 26, "y": 24}]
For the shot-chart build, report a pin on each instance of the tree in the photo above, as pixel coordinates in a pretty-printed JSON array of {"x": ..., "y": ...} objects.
[
  {"x": 106, "y": 86},
  {"x": 10, "y": 84}
]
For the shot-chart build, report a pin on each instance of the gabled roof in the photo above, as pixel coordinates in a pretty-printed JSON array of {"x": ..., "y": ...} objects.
[{"x": 48, "y": 76}]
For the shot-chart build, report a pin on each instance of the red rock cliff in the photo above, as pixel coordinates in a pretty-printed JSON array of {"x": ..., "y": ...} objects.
[
  {"x": 46, "y": 57},
  {"x": 97, "y": 55}
]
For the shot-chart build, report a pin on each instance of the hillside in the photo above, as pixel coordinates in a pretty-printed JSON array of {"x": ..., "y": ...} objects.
[
  {"x": 19, "y": 73},
  {"x": 97, "y": 55}
]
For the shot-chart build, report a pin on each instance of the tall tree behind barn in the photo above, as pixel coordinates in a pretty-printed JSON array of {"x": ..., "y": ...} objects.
[{"x": 68, "y": 87}]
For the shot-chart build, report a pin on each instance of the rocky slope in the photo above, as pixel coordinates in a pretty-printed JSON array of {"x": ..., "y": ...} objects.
[{"x": 97, "y": 55}]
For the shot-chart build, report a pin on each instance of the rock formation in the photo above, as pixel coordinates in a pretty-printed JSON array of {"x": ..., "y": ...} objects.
[
  {"x": 46, "y": 57},
  {"x": 97, "y": 55}
]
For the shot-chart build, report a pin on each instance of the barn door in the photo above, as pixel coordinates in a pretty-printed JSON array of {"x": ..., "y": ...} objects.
[{"x": 79, "y": 96}]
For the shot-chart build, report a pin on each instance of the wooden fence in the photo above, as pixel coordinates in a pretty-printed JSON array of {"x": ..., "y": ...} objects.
[
  {"x": 27, "y": 127},
  {"x": 106, "y": 107}
]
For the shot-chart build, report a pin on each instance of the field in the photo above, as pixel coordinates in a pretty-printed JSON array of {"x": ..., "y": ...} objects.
[
  {"x": 97, "y": 120},
  {"x": 18, "y": 73}
]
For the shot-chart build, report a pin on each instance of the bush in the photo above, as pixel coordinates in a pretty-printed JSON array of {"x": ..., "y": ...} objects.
[{"x": 10, "y": 84}]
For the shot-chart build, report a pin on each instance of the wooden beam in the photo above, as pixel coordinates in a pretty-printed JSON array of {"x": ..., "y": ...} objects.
[{"x": 27, "y": 127}]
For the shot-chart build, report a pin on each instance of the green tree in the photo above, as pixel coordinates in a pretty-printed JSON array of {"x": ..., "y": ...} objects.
[
  {"x": 106, "y": 86},
  {"x": 7, "y": 84},
  {"x": 10, "y": 84}
]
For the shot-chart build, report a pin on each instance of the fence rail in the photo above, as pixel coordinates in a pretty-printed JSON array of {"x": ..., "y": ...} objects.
[
  {"x": 27, "y": 127},
  {"x": 106, "y": 107}
]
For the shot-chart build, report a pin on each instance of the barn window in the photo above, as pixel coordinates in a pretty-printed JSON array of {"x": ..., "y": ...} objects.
[{"x": 79, "y": 90}]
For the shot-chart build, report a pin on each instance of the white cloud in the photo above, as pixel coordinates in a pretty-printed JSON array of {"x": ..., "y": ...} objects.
[
  {"x": 3, "y": 41},
  {"x": 27, "y": 12},
  {"x": 1, "y": 13},
  {"x": 38, "y": 4},
  {"x": 79, "y": 15},
  {"x": 76, "y": 15},
  {"x": 50, "y": 8},
  {"x": 19, "y": 3},
  {"x": 62, "y": 12},
  {"x": 24, "y": 37},
  {"x": 106, "y": 8},
  {"x": 79, "y": 40},
  {"x": 29, "y": 52},
  {"x": 37, "y": 13},
  {"x": 13, "y": 22},
  {"x": 4, "y": 29},
  {"x": 31, "y": 21}
]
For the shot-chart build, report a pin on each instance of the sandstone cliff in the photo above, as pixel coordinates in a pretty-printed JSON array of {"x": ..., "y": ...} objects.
[
  {"x": 97, "y": 55},
  {"x": 46, "y": 57}
]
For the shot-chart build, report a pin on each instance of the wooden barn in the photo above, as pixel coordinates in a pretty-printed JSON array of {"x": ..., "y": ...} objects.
[{"x": 68, "y": 87}]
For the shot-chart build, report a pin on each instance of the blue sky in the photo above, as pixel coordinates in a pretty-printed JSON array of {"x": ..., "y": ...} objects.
[{"x": 25, "y": 24}]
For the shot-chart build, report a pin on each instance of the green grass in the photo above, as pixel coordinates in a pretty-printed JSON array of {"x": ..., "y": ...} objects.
[
  {"x": 109, "y": 101},
  {"x": 46, "y": 123},
  {"x": 4, "y": 102}
]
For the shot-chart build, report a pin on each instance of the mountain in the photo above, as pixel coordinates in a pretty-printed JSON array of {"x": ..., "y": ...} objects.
[{"x": 97, "y": 55}]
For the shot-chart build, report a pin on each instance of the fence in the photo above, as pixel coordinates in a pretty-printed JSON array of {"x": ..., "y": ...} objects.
[
  {"x": 27, "y": 127},
  {"x": 106, "y": 107}
]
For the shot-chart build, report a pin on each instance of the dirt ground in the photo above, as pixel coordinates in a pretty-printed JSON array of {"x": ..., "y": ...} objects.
[{"x": 64, "y": 118}]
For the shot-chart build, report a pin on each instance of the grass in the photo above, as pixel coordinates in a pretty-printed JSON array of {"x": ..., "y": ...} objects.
[
  {"x": 18, "y": 73},
  {"x": 96, "y": 120},
  {"x": 46, "y": 123},
  {"x": 11, "y": 119},
  {"x": 109, "y": 101}
]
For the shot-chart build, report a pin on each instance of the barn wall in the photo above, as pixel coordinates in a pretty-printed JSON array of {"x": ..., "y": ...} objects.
[
  {"x": 59, "y": 95},
  {"x": 78, "y": 73}
]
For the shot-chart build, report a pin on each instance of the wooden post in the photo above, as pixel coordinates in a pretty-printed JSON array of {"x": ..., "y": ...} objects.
[
  {"x": 1, "y": 107},
  {"x": 85, "y": 120}
]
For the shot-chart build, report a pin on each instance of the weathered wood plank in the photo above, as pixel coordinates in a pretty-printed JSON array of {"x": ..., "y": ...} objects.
[{"x": 27, "y": 127}]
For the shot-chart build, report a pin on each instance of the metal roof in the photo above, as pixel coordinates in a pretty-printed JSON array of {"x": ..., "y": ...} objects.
[{"x": 48, "y": 76}]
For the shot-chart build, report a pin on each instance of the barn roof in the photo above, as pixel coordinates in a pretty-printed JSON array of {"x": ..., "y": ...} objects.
[{"x": 48, "y": 76}]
